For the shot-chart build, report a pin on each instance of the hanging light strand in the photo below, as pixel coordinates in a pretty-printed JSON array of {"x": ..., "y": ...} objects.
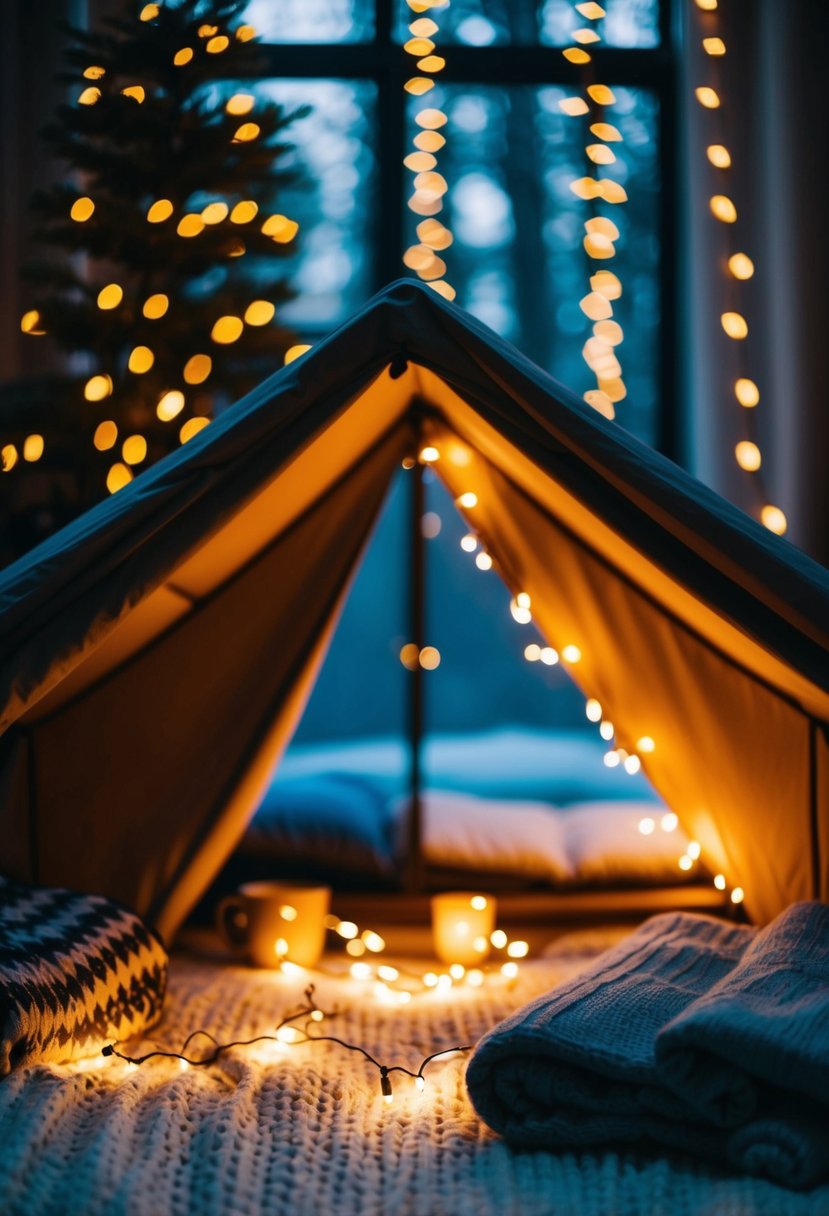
[
  {"x": 738, "y": 266},
  {"x": 430, "y": 186},
  {"x": 601, "y": 350},
  {"x": 291, "y": 1033}
]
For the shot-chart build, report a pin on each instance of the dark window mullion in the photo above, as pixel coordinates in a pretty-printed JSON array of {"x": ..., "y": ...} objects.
[
  {"x": 669, "y": 421},
  {"x": 470, "y": 65},
  {"x": 391, "y": 148},
  {"x": 383, "y": 23}
]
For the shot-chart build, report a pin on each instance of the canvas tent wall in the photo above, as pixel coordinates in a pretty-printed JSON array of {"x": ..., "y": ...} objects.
[{"x": 155, "y": 655}]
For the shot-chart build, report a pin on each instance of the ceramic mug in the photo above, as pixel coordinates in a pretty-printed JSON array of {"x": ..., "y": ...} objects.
[{"x": 272, "y": 921}]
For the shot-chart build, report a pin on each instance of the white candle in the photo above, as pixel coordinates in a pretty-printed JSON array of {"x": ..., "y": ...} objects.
[{"x": 462, "y": 922}]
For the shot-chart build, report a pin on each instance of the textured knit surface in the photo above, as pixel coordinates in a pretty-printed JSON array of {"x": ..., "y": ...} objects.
[
  {"x": 580, "y": 1067},
  {"x": 302, "y": 1131},
  {"x": 75, "y": 971},
  {"x": 765, "y": 1024}
]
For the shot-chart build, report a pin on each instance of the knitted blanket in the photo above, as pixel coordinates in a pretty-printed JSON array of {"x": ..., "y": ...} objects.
[
  {"x": 75, "y": 971},
  {"x": 692, "y": 1033},
  {"x": 303, "y": 1131}
]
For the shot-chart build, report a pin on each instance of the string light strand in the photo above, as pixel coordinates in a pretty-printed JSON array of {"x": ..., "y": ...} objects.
[
  {"x": 287, "y": 1032},
  {"x": 739, "y": 266}
]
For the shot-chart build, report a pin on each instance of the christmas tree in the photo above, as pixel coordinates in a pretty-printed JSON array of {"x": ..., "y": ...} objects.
[{"x": 160, "y": 272}]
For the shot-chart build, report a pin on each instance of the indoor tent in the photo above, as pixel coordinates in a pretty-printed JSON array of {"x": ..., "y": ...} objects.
[{"x": 155, "y": 655}]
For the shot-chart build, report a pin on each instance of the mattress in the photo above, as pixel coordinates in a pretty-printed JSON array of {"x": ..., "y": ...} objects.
[{"x": 303, "y": 1129}]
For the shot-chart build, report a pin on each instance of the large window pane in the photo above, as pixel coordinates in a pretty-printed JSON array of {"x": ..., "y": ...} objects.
[
  {"x": 628, "y": 23},
  {"x": 518, "y": 262},
  {"x": 362, "y": 687},
  {"x": 312, "y": 20}
]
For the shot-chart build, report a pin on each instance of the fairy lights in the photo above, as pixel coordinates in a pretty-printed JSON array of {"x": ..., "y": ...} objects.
[
  {"x": 33, "y": 447},
  {"x": 146, "y": 297},
  {"x": 398, "y": 985},
  {"x": 738, "y": 266},
  {"x": 599, "y": 351},
  {"x": 82, "y": 209},
  {"x": 430, "y": 186},
  {"x": 631, "y": 752},
  {"x": 299, "y": 1027},
  {"x": 160, "y": 211}
]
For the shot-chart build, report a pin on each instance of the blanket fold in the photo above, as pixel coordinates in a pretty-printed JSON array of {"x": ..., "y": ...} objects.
[{"x": 697, "y": 1034}]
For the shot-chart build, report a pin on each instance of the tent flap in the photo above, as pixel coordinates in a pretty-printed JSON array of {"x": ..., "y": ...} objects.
[{"x": 155, "y": 654}]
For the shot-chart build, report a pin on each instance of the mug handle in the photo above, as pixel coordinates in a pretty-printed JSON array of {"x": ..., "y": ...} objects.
[{"x": 232, "y": 920}]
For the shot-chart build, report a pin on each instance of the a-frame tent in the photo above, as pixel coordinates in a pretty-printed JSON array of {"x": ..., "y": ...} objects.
[{"x": 155, "y": 655}]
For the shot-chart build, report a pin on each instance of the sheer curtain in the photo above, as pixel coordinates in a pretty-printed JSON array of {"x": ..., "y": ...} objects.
[{"x": 772, "y": 121}]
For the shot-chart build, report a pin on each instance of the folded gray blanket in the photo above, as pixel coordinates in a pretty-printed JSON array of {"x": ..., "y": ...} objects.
[{"x": 704, "y": 1036}]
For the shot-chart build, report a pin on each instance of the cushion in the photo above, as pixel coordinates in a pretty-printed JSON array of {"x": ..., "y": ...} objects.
[
  {"x": 331, "y": 820},
  {"x": 76, "y": 971},
  {"x": 470, "y": 833},
  {"x": 604, "y": 844}
]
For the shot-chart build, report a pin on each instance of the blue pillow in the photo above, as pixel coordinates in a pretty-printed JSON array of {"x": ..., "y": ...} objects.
[{"x": 334, "y": 820}]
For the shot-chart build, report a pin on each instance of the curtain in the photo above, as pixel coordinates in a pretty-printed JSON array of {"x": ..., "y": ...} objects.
[{"x": 770, "y": 118}]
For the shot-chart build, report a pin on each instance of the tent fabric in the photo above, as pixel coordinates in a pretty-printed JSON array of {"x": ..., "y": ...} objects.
[{"x": 156, "y": 654}]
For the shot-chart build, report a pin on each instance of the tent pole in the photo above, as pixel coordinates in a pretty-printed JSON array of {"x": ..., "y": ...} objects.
[{"x": 417, "y": 566}]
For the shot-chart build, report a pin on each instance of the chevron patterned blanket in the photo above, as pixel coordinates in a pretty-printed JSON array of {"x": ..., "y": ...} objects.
[{"x": 75, "y": 971}]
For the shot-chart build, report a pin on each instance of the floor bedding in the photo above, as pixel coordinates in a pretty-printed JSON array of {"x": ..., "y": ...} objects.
[{"x": 283, "y": 1129}]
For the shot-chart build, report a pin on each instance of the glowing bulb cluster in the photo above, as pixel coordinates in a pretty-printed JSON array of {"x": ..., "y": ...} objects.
[
  {"x": 601, "y": 233},
  {"x": 738, "y": 265},
  {"x": 430, "y": 186}
]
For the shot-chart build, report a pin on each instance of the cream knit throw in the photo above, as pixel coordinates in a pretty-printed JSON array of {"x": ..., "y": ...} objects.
[{"x": 302, "y": 1131}]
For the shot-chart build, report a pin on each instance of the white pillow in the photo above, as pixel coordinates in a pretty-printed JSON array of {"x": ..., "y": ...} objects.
[
  {"x": 466, "y": 832},
  {"x": 604, "y": 844}
]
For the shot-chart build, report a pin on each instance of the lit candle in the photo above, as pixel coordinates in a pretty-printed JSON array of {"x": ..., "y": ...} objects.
[{"x": 461, "y": 924}]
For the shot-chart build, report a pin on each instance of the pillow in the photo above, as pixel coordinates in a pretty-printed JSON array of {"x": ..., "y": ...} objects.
[
  {"x": 604, "y": 844},
  {"x": 76, "y": 971},
  {"x": 337, "y": 821},
  {"x": 465, "y": 832}
]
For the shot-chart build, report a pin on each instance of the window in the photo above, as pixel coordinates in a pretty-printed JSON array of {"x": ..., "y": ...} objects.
[{"x": 517, "y": 260}]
